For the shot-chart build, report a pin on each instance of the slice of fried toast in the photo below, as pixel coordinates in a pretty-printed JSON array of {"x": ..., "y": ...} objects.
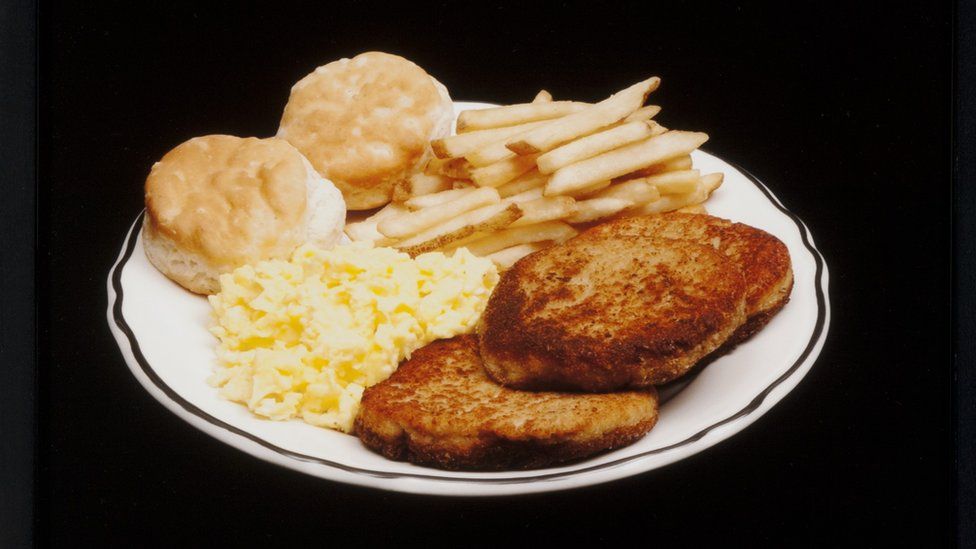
[
  {"x": 440, "y": 409},
  {"x": 610, "y": 310},
  {"x": 762, "y": 258}
]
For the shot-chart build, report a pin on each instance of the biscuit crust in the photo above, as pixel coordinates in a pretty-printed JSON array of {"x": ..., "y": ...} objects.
[
  {"x": 440, "y": 409},
  {"x": 366, "y": 123},
  {"x": 217, "y": 202}
]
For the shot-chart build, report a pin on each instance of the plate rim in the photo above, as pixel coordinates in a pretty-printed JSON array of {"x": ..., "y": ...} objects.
[{"x": 756, "y": 407}]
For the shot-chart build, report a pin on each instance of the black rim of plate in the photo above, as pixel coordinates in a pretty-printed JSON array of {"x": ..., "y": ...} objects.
[{"x": 747, "y": 410}]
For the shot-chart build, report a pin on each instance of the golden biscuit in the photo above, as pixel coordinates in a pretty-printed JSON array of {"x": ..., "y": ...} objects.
[
  {"x": 366, "y": 123},
  {"x": 217, "y": 202}
]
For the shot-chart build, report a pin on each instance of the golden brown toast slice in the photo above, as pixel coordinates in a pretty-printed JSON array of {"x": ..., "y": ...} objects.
[
  {"x": 762, "y": 258},
  {"x": 440, "y": 409},
  {"x": 608, "y": 310}
]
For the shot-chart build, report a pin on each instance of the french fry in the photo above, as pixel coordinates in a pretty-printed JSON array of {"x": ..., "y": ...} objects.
[
  {"x": 494, "y": 152},
  {"x": 623, "y": 160},
  {"x": 672, "y": 165},
  {"x": 549, "y": 208},
  {"x": 505, "y": 259},
  {"x": 499, "y": 173},
  {"x": 646, "y": 112},
  {"x": 456, "y": 146},
  {"x": 709, "y": 182},
  {"x": 637, "y": 191},
  {"x": 420, "y": 184},
  {"x": 592, "y": 145},
  {"x": 676, "y": 182},
  {"x": 487, "y": 218},
  {"x": 498, "y": 151},
  {"x": 584, "y": 122},
  {"x": 365, "y": 230},
  {"x": 457, "y": 168},
  {"x": 598, "y": 208},
  {"x": 527, "y": 196},
  {"x": 462, "y": 184},
  {"x": 552, "y": 230},
  {"x": 404, "y": 225},
  {"x": 656, "y": 129},
  {"x": 706, "y": 186},
  {"x": 588, "y": 190},
  {"x": 510, "y": 115},
  {"x": 666, "y": 203},
  {"x": 542, "y": 97},
  {"x": 528, "y": 180},
  {"x": 428, "y": 200}
]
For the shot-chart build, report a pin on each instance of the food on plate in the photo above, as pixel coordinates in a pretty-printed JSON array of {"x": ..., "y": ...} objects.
[
  {"x": 624, "y": 160},
  {"x": 456, "y": 146},
  {"x": 528, "y": 180},
  {"x": 762, "y": 258},
  {"x": 634, "y": 191},
  {"x": 510, "y": 115},
  {"x": 547, "y": 208},
  {"x": 365, "y": 230},
  {"x": 574, "y": 162},
  {"x": 592, "y": 145},
  {"x": 604, "y": 293},
  {"x": 366, "y": 123},
  {"x": 547, "y": 231},
  {"x": 644, "y": 113},
  {"x": 218, "y": 202},
  {"x": 693, "y": 209},
  {"x": 683, "y": 162},
  {"x": 674, "y": 182},
  {"x": 667, "y": 203},
  {"x": 440, "y": 409},
  {"x": 485, "y": 219},
  {"x": 504, "y": 259},
  {"x": 542, "y": 97},
  {"x": 303, "y": 338},
  {"x": 499, "y": 173},
  {"x": 455, "y": 168},
  {"x": 411, "y": 223},
  {"x": 586, "y": 121},
  {"x": 434, "y": 199},
  {"x": 598, "y": 208},
  {"x": 420, "y": 184},
  {"x": 612, "y": 308}
]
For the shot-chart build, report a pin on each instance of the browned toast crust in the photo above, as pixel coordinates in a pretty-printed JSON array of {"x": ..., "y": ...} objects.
[
  {"x": 762, "y": 258},
  {"x": 609, "y": 310},
  {"x": 440, "y": 409}
]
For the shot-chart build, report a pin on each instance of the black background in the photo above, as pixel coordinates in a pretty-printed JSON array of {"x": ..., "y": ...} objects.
[{"x": 843, "y": 111}]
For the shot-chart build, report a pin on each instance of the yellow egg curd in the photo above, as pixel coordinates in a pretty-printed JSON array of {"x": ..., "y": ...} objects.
[{"x": 304, "y": 338}]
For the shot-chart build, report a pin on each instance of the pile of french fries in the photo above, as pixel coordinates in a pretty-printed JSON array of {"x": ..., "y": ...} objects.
[{"x": 518, "y": 178}]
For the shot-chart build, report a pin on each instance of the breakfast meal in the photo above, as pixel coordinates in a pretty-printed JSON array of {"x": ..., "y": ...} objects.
[
  {"x": 508, "y": 295},
  {"x": 219, "y": 202},
  {"x": 440, "y": 408}
]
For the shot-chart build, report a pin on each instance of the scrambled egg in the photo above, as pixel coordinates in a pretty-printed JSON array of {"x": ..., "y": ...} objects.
[{"x": 303, "y": 338}]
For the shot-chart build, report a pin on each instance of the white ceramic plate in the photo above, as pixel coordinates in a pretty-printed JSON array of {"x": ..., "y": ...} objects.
[{"x": 162, "y": 332}]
